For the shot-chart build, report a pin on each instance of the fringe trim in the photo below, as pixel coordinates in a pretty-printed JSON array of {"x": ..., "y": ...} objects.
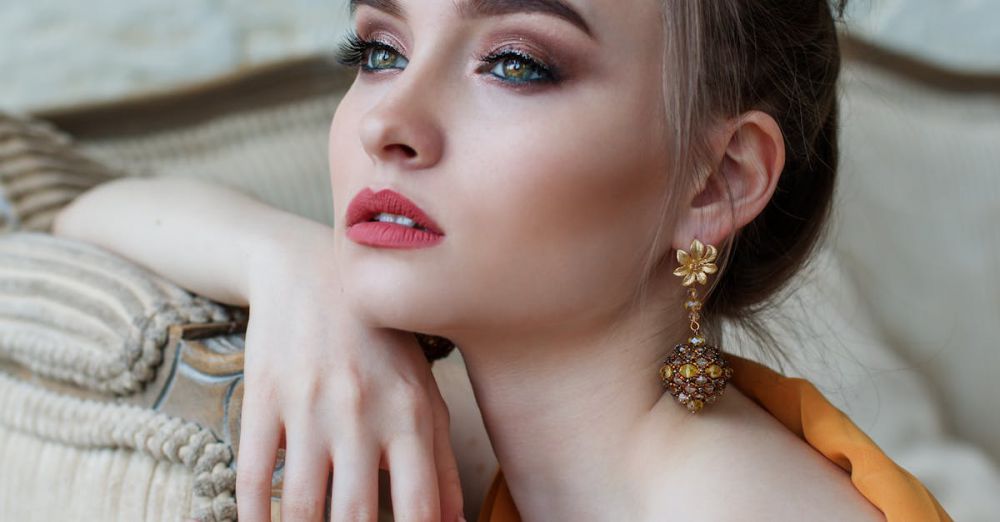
[{"x": 88, "y": 424}]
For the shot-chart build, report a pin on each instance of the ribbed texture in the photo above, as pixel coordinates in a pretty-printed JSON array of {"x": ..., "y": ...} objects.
[
  {"x": 122, "y": 459},
  {"x": 75, "y": 312},
  {"x": 277, "y": 154},
  {"x": 40, "y": 172}
]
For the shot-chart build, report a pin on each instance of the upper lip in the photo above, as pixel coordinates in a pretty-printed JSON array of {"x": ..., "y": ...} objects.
[{"x": 367, "y": 204}]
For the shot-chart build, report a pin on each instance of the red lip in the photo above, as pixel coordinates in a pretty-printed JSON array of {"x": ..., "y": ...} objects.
[{"x": 368, "y": 204}]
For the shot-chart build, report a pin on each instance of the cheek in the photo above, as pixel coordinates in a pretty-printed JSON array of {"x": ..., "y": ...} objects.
[
  {"x": 549, "y": 212},
  {"x": 343, "y": 152},
  {"x": 565, "y": 210}
]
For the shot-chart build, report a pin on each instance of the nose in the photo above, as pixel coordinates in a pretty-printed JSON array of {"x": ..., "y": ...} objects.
[{"x": 401, "y": 128}]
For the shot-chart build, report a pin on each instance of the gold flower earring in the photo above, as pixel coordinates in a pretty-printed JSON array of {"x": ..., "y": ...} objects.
[{"x": 696, "y": 373}]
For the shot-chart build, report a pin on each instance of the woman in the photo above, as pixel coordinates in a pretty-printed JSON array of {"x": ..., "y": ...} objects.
[{"x": 541, "y": 163}]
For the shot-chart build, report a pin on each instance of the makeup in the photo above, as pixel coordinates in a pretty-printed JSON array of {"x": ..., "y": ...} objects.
[{"x": 387, "y": 219}]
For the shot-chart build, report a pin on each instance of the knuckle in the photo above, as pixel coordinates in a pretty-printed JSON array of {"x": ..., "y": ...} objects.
[
  {"x": 355, "y": 511},
  {"x": 419, "y": 511},
  {"x": 259, "y": 389},
  {"x": 296, "y": 506},
  {"x": 413, "y": 424},
  {"x": 452, "y": 481},
  {"x": 442, "y": 415},
  {"x": 252, "y": 481},
  {"x": 310, "y": 389},
  {"x": 351, "y": 399},
  {"x": 411, "y": 398}
]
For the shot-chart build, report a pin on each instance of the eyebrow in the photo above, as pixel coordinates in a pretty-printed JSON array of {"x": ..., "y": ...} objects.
[{"x": 481, "y": 8}]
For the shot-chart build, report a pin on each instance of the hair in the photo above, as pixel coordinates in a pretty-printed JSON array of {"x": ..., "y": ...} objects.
[{"x": 721, "y": 59}]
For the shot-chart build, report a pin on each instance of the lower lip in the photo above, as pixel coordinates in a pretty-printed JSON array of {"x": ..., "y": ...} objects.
[{"x": 391, "y": 235}]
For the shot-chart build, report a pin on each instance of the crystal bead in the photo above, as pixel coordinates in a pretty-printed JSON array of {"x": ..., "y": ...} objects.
[{"x": 689, "y": 370}]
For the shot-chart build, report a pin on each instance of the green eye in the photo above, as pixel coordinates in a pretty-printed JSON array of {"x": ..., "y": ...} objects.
[
  {"x": 514, "y": 68},
  {"x": 383, "y": 57}
]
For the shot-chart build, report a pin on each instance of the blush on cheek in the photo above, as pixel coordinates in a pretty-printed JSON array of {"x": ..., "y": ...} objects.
[{"x": 556, "y": 250}]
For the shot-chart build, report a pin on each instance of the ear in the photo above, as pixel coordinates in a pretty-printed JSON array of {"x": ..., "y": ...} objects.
[{"x": 749, "y": 155}]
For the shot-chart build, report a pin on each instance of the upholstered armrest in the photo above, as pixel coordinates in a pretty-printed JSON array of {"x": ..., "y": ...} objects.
[
  {"x": 100, "y": 354},
  {"x": 40, "y": 172}
]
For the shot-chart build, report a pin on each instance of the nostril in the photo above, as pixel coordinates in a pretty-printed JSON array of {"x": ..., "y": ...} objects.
[{"x": 406, "y": 150}]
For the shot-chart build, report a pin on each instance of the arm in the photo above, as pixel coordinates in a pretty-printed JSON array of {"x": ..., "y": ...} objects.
[
  {"x": 150, "y": 220},
  {"x": 316, "y": 366}
]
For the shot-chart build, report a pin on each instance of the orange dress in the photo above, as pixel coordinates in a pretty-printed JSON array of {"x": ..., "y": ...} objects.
[{"x": 798, "y": 405}]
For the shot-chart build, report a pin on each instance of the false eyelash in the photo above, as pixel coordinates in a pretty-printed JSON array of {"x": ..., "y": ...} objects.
[{"x": 351, "y": 52}]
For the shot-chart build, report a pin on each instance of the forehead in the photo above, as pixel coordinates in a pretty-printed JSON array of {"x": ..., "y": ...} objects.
[{"x": 609, "y": 18}]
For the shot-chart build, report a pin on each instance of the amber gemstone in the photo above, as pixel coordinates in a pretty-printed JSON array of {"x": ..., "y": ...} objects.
[
  {"x": 695, "y": 405},
  {"x": 689, "y": 370},
  {"x": 714, "y": 371},
  {"x": 666, "y": 372}
]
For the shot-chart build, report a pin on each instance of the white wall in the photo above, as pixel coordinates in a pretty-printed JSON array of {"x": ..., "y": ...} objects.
[
  {"x": 963, "y": 34},
  {"x": 55, "y": 52}
]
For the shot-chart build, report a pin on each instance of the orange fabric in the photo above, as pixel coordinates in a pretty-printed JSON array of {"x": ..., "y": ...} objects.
[{"x": 798, "y": 405}]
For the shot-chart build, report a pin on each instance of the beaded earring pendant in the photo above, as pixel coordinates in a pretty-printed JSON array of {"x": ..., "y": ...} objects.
[{"x": 695, "y": 373}]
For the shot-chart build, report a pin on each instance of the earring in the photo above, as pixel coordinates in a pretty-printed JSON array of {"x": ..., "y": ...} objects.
[{"x": 696, "y": 373}]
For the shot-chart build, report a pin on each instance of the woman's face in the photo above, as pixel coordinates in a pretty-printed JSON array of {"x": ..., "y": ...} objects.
[{"x": 530, "y": 132}]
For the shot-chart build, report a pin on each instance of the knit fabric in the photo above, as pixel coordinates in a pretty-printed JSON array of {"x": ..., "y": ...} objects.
[
  {"x": 40, "y": 172},
  {"x": 77, "y": 313},
  {"x": 36, "y": 423},
  {"x": 275, "y": 154},
  {"x": 74, "y": 313}
]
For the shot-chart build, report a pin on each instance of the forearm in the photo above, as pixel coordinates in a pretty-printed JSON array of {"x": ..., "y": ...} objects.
[{"x": 212, "y": 240}]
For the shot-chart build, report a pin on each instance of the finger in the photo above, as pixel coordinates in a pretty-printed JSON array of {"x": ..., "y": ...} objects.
[
  {"x": 260, "y": 431},
  {"x": 449, "y": 482},
  {"x": 412, "y": 476},
  {"x": 355, "y": 481},
  {"x": 307, "y": 465}
]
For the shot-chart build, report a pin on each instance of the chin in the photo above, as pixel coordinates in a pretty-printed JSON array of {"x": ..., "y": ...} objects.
[{"x": 391, "y": 293}]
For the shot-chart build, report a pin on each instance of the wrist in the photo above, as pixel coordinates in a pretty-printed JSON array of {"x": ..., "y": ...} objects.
[
  {"x": 287, "y": 250},
  {"x": 295, "y": 251}
]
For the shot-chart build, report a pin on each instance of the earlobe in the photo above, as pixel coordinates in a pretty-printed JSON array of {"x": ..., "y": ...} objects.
[{"x": 750, "y": 155}]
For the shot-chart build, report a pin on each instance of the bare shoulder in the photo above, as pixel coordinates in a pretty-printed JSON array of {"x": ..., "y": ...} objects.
[
  {"x": 762, "y": 471},
  {"x": 470, "y": 442}
]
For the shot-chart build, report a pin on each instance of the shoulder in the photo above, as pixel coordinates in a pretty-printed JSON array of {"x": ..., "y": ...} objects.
[{"x": 759, "y": 470}]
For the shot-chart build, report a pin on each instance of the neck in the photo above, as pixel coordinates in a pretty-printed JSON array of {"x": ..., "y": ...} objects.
[{"x": 571, "y": 411}]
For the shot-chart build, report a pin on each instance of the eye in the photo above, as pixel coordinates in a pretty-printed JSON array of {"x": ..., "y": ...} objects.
[
  {"x": 369, "y": 55},
  {"x": 381, "y": 56},
  {"x": 516, "y": 67}
]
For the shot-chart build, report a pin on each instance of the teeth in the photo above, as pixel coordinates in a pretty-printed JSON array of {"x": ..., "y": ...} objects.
[{"x": 385, "y": 217}]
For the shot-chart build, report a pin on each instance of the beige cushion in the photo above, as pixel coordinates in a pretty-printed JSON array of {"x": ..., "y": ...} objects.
[{"x": 919, "y": 217}]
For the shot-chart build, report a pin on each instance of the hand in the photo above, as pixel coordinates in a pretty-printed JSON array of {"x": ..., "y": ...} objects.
[{"x": 337, "y": 393}]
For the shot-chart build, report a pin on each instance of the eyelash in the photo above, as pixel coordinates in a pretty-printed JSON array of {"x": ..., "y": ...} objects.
[{"x": 353, "y": 51}]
